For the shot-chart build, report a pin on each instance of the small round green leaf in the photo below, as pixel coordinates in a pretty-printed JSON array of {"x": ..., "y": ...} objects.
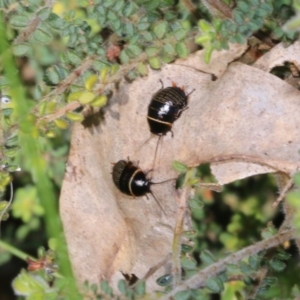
[
  {"x": 154, "y": 63},
  {"x": 207, "y": 257},
  {"x": 180, "y": 34},
  {"x": 215, "y": 285},
  {"x": 7, "y": 111},
  {"x": 42, "y": 36},
  {"x": 122, "y": 286},
  {"x": 182, "y": 50},
  {"x": 44, "y": 13},
  {"x": 20, "y": 49},
  {"x": 73, "y": 58},
  {"x": 133, "y": 50},
  {"x": 151, "y": 5},
  {"x": 179, "y": 167},
  {"x": 19, "y": 21},
  {"x": 142, "y": 69},
  {"x": 160, "y": 29},
  {"x": 152, "y": 51},
  {"x": 140, "y": 288},
  {"x": 129, "y": 9},
  {"x": 124, "y": 57},
  {"x": 277, "y": 265}
]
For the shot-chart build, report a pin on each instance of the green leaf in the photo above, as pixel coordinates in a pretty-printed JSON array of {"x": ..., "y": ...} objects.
[
  {"x": 238, "y": 17},
  {"x": 19, "y": 21},
  {"x": 277, "y": 265},
  {"x": 25, "y": 284},
  {"x": 182, "y": 50},
  {"x": 195, "y": 204},
  {"x": 164, "y": 280},
  {"x": 108, "y": 3},
  {"x": 151, "y": 5},
  {"x": 254, "y": 261},
  {"x": 124, "y": 57},
  {"x": 205, "y": 26},
  {"x": 12, "y": 141},
  {"x": 74, "y": 116},
  {"x": 26, "y": 204},
  {"x": 44, "y": 13},
  {"x": 129, "y": 9},
  {"x": 99, "y": 101},
  {"x": 283, "y": 255},
  {"x": 169, "y": 49},
  {"x": 215, "y": 285},
  {"x": 86, "y": 98},
  {"x": 160, "y": 29},
  {"x": 152, "y": 51},
  {"x": 105, "y": 288},
  {"x": 122, "y": 286},
  {"x": 112, "y": 15},
  {"x": 207, "y": 257},
  {"x": 55, "y": 21},
  {"x": 140, "y": 288},
  {"x": 261, "y": 13},
  {"x": 243, "y": 6},
  {"x": 188, "y": 263},
  {"x": 143, "y": 26},
  {"x": 61, "y": 123},
  {"x": 20, "y": 49},
  {"x": 53, "y": 75},
  {"x": 245, "y": 268},
  {"x": 186, "y": 248},
  {"x": 179, "y": 167},
  {"x": 129, "y": 30},
  {"x": 184, "y": 295},
  {"x": 119, "y": 5},
  {"x": 11, "y": 152},
  {"x": 142, "y": 69},
  {"x": 133, "y": 50},
  {"x": 73, "y": 58},
  {"x": 240, "y": 39},
  {"x": 232, "y": 269},
  {"x": 42, "y": 36},
  {"x": 180, "y": 34},
  {"x": 154, "y": 63},
  {"x": 7, "y": 111}
]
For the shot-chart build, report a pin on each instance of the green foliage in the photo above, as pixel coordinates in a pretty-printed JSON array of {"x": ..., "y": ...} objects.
[{"x": 248, "y": 17}]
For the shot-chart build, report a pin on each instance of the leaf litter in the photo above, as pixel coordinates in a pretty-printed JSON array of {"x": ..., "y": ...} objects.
[{"x": 246, "y": 113}]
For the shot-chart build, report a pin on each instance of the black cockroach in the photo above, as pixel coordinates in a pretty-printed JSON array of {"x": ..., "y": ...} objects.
[
  {"x": 165, "y": 108},
  {"x": 132, "y": 181}
]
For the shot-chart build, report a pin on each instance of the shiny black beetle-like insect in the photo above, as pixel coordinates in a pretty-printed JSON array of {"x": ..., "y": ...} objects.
[
  {"x": 165, "y": 108},
  {"x": 132, "y": 181}
]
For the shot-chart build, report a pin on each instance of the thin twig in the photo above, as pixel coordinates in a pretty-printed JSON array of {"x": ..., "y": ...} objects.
[
  {"x": 62, "y": 111},
  {"x": 8, "y": 204},
  {"x": 284, "y": 191},
  {"x": 176, "y": 248},
  {"x": 284, "y": 166},
  {"x": 220, "y": 266},
  {"x": 262, "y": 273},
  {"x": 65, "y": 84},
  {"x": 218, "y": 8}
]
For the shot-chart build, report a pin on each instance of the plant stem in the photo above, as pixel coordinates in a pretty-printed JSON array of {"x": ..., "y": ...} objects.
[
  {"x": 14, "y": 251},
  {"x": 216, "y": 268}
]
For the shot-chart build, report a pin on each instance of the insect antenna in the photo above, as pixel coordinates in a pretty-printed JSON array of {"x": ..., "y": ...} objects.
[
  {"x": 158, "y": 203},
  {"x": 164, "y": 181},
  {"x": 155, "y": 154}
]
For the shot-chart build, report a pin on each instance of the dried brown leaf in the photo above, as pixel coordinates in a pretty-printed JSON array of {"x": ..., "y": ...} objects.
[{"x": 247, "y": 114}]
